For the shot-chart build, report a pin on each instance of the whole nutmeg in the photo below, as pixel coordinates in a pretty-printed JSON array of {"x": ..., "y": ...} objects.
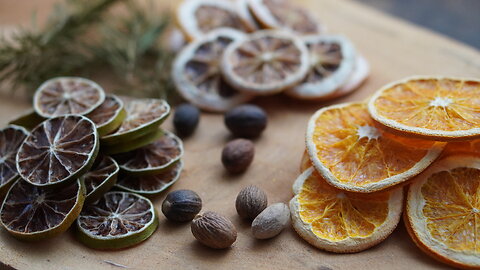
[
  {"x": 246, "y": 121},
  {"x": 237, "y": 155},
  {"x": 250, "y": 202},
  {"x": 186, "y": 119},
  {"x": 271, "y": 221},
  {"x": 214, "y": 230},
  {"x": 181, "y": 205}
]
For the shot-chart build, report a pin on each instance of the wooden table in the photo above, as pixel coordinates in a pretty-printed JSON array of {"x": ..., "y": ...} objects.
[{"x": 394, "y": 48}]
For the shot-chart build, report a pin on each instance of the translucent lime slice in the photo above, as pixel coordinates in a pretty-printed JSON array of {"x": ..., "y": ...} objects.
[
  {"x": 11, "y": 138},
  {"x": 109, "y": 115},
  {"x": 29, "y": 119},
  {"x": 57, "y": 151},
  {"x": 117, "y": 220},
  {"x": 101, "y": 178},
  {"x": 35, "y": 213}
]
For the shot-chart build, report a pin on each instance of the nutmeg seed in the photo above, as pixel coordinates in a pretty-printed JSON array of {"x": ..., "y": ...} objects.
[
  {"x": 181, "y": 205},
  {"x": 214, "y": 230},
  {"x": 271, "y": 221},
  {"x": 237, "y": 155},
  {"x": 250, "y": 202}
]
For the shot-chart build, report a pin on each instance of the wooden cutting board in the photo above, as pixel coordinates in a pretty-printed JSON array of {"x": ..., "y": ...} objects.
[{"x": 394, "y": 48}]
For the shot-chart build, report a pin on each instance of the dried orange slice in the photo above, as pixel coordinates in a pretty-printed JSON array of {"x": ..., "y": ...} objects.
[
  {"x": 101, "y": 178},
  {"x": 152, "y": 158},
  {"x": 467, "y": 147},
  {"x": 58, "y": 151},
  {"x": 196, "y": 72},
  {"x": 11, "y": 138},
  {"x": 352, "y": 154},
  {"x": 34, "y": 213},
  {"x": 282, "y": 14},
  {"x": 342, "y": 222},
  {"x": 117, "y": 220},
  {"x": 143, "y": 117},
  {"x": 67, "y": 95},
  {"x": 153, "y": 184},
  {"x": 443, "y": 211},
  {"x": 198, "y": 17},
  {"x": 444, "y": 109},
  {"x": 332, "y": 62},
  {"x": 109, "y": 115},
  {"x": 267, "y": 62},
  {"x": 305, "y": 163}
]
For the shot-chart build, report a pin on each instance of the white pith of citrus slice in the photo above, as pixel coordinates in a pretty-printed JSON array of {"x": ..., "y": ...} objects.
[
  {"x": 196, "y": 72},
  {"x": 282, "y": 14},
  {"x": 109, "y": 115},
  {"x": 436, "y": 108},
  {"x": 58, "y": 150},
  {"x": 11, "y": 138},
  {"x": 442, "y": 211},
  {"x": 357, "y": 78},
  {"x": 101, "y": 178},
  {"x": 351, "y": 153},
  {"x": 67, "y": 95},
  {"x": 265, "y": 63},
  {"x": 339, "y": 221},
  {"x": 118, "y": 220},
  {"x": 34, "y": 213},
  {"x": 198, "y": 17},
  {"x": 332, "y": 62}
]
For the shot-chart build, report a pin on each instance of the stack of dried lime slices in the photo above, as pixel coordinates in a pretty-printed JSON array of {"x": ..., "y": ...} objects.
[
  {"x": 82, "y": 143},
  {"x": 421, "y": 131},
  {"x": 245, "y": 48}
]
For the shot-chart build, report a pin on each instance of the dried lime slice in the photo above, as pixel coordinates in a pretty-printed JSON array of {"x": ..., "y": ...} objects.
[
  {"x": 67, "y": 95},
  {"x": 143, "y": 116},
  {"x": 117, "y": 220},
  {"x": 109, "y": 115},
  {"x": 58, "y": 150},
  {"x": 11, "y": 138},
  {"x": 151, "y": 185},
  {"x": 101, "y": 178},
  {"x": 152, "y": 158},
  {"x": 132, "y": 145},
  {"x": 29, "y": 119},
  {"x": 35, "y": 213}
]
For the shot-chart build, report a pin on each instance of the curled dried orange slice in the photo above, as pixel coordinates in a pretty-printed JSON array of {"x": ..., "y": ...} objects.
[
  {"x": 282, "y": 14},
  {"x": 267, "y": 62},
  {"x": 438, "y": 108},
  {"x": 101, "y": 178},
  {"x": 58, "y": 150},
  {"x": 443, "y": 211},
  {"x": 352, "y": 154},
  {"x": 109, "y": 115},
  {"x": 196, "y": 72},
  {"x": 332, "y": 62},
  {"x": 198, "y": 17},
  {"x": 305, "y": 163},
  {"x": 67, "y": 95},
  {"x": 342, "y": 222},
  {"x": 34, "y": 213},
  {"x": 11, "y": 138}
]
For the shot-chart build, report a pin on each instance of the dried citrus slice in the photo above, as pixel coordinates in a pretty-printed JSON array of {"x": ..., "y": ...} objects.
[
  {"x": 282, "y": 14},
  {"x": 443, "y": 211},
  {"x": 101, "y": 178},
  {"x": 198, "y": 17},
  {"x": 357, "y": 78},
  {"x": 29, "y": 119},
  {"x": 152, "y": 158},
  {"x": 305, "y": 163},
  {"x": 153, "y": 184},
  {"x": 352, "y": 154},
  {"x": 443, "y": 109},
  {"x": 267, "y": 62},
  {"x": 133, "y": 144},
  {"x": 332, "y": 62},
  {"x": 342, "y": 222},
  {"x": 467, "y": 147},
  {"x": 117, "y": 220},
  {"x": 143, "y": 116},
  {"x": 11, "y": 138},
  {"x": 58, "y": 150},
  {"x": 196, "y": 72},
  {"x": 109, "y": 115},
  {"x": 67, "y": 95},
  {"x": 35, "y": 213}
]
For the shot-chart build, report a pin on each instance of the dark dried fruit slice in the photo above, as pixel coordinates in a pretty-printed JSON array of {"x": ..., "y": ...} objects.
[
  {"x": 133, "y": 144},
  {"x": 35, "y": 213},
  {"x": 100, "y": 178},
  {"x": 67, "y": 95},
  {"x": 11, "y": 138},
  {"x": 109, "y": 115},
  {"x": 58, "y": 150},
  {"x": 117, "y": 220},
  {"x": 152, "y": 158},
  {"x": 28, "y": 119},
  {"x": 151, "y": 185}
]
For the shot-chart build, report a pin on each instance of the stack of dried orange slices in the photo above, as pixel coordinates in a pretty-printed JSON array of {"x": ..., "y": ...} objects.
[
  {"x": 244, "y": 48},
  {"x": 82, "y": 143},
  {"x": 349, "y": 195}
]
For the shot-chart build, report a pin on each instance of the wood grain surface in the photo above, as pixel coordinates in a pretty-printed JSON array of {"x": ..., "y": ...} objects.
[{"x": 394, "y": 48}]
